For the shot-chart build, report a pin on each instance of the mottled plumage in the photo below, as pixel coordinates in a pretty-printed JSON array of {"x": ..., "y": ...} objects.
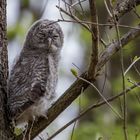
[{"x": 33, "y": 78}]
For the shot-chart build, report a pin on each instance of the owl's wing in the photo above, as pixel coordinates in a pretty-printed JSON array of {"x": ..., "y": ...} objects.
[
  {"x": 30, "y": 87},
  {"x": 36, "y": 93}
]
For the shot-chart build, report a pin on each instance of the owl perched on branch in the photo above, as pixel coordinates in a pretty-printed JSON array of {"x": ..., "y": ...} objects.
[{"x": 33, "y": 79}]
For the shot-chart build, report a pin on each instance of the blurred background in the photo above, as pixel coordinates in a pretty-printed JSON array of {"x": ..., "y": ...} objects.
[{"x": 100, "y": 123}]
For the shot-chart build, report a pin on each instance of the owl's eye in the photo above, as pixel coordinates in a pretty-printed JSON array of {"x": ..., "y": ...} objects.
[
  {"x": 41, "y": 34},
  {"x": 55, "y": 36},
  {"x": 42, "y": 26}
]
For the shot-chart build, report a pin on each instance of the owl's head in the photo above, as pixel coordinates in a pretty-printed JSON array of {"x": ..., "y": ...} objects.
[{"x": 46, "y": 35}]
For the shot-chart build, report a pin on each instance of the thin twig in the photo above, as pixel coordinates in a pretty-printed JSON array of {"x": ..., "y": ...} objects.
[
  {"x": 137, "y": 97},
  {"x": 72, "y": 134},
  {"x": 72, "y": 7},
  {"x": 136, "y": 69},
  {"x": 104, "y": 82},
  {"x": 80, "y": 3},
  {"x": 99, "y": 24},
  {"x": 107, "y": 8},
  {"x": 134, "y": 83},
  {"x": 60, "y": 10},
  {"x": 136, "y": 13},
  {"x": 113, "y": 47},
  {"x": 131, "y": 65},
  {"x": 77, "y": 2},
  {"x": 74, "y": 18}
]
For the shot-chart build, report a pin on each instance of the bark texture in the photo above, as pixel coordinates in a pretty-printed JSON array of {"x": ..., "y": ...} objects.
[{"x": 5, "y": 133}]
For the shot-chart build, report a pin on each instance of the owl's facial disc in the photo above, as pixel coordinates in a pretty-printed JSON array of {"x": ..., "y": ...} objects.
[{"x": 46, "y": 35}]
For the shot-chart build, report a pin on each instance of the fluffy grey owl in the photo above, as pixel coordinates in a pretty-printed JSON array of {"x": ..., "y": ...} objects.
[{"x": 33, "y": 78}]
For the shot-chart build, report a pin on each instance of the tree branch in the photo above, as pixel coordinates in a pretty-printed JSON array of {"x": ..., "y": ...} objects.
[
  {"x": 115, "y": 47},
  {"x": 95, "y": 39},
  {"x": 124, "y": 7}
]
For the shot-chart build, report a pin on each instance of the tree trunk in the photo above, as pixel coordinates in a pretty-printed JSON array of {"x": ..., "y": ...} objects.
[{"x": 5, "y": 133}]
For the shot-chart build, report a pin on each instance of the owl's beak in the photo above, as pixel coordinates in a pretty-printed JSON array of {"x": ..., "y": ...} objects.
[{"x": 49, "y": 42}]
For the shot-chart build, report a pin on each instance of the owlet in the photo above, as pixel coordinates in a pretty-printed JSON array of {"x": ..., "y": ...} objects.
[{"x": 33, "y": 78}]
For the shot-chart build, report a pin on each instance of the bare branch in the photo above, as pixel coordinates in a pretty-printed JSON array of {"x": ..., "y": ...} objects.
[
  {"x": 74, "y": 18},
  {"x": 115, "y": 47}
]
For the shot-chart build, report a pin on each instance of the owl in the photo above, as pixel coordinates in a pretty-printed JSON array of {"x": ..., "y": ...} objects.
[{"x": 33, "y": 78}]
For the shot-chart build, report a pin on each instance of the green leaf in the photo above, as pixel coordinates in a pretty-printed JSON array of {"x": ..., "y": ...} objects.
[
  {"x": 74, "y": 72},
  {"x": 135, "y": 58},
  {"x": 17, "y": 131}
]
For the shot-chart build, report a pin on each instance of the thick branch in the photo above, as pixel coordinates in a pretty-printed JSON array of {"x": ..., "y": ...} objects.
[
  {"x": 124, "y": 7},
  {"x": 115, "y": 46},
  {"x": 74, "y": 91}
]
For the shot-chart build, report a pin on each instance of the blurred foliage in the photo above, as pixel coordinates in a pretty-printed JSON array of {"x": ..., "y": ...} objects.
[
  {"x": 25, "y": 3},
  {"x": 17, "y": 30},
  {"x": 94, "y": 131},
  {"x": 101, "y": 123}
]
